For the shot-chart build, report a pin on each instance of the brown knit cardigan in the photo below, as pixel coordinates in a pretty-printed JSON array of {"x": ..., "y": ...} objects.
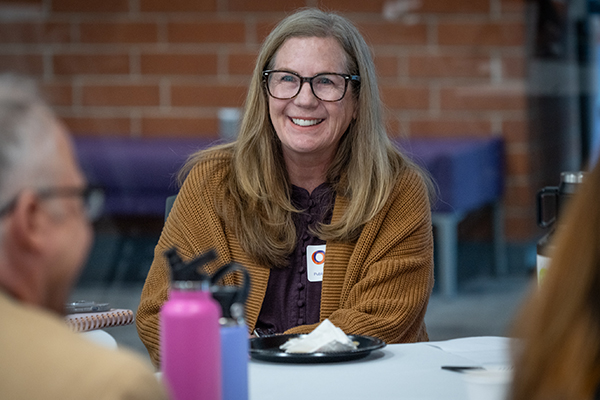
[{"x": 378, "y": 286}]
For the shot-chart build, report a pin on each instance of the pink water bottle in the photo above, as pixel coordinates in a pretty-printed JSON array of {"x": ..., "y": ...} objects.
[{"x": 190, "y": 343}]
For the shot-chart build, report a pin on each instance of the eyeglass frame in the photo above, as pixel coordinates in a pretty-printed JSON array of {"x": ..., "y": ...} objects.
[
  {"x": 347, "y": 78},
  {"x": 86, "y": 193}
]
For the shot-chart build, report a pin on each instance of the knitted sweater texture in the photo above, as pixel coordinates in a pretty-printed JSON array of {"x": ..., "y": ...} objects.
[{"x": 378, "y": 285}]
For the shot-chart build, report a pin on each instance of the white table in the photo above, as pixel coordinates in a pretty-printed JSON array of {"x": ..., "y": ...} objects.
[
  {"x": 399, "y": 371},
  {"x": 101, "y": 337}
]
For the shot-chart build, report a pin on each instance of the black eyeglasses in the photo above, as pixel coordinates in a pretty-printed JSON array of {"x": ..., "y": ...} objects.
[
  {"x": 93, "y": 199},
  {"x": 328, "y": 86}
]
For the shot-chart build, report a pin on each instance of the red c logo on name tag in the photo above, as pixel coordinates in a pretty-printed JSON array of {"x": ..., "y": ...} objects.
[{"x": 314, "y": 257}]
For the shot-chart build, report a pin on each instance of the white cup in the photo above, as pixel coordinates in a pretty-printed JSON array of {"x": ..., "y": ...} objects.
[
  {"x": 229, "y": 122},
  {"x": 488, "y": 384}
]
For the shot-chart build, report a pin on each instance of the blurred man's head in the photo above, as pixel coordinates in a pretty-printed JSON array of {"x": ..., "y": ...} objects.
[{"x": 45, "y": 233}]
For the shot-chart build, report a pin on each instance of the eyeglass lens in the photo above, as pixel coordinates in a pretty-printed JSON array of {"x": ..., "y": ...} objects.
[
  {"x": 93, "y": 199},
  {"x": 327, "y": 87},
  {"x": 94, "y": 203}
]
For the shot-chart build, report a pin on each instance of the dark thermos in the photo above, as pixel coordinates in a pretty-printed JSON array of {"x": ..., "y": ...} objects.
[{"x": 551, "y": 202}]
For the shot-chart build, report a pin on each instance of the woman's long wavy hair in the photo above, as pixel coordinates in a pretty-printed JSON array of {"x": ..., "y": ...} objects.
[
  {"x": 364, "y": 169},
  {"x": 559, "y": 357}
]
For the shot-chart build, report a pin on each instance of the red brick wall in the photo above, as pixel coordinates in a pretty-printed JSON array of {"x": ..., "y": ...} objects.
[{"x": 164, "y": 67}]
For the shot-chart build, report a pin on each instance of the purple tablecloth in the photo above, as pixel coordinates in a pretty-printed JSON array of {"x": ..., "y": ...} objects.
[
  {"x": 469, "y": 173},
  {"x": 139, "y": 174}
]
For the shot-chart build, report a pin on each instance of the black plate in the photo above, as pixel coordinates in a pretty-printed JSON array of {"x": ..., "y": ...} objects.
[{"x": 266, "y": 348}]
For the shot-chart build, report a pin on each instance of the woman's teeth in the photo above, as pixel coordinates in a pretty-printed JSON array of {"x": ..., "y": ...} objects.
[{"x": 306, "y": 122}]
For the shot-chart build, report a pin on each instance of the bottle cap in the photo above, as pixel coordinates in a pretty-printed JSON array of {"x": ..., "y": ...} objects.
[
  {"x": 182, "y": 271},
  {"x": 572, "y": 177},
  {"x": 231, "y": 298}
]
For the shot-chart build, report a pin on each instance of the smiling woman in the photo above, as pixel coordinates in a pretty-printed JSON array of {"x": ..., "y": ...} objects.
[
  {"x": 308, "y": 126},
  {"x": 329, "y": 218}
]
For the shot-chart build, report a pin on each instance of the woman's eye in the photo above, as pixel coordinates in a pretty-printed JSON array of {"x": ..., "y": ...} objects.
[
  {"x": 322, "y": 80},
  {"x": 288, "y": 78}
]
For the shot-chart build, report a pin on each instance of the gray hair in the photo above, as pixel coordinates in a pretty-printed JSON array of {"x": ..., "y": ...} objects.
[{"x": 27, "y": 145}]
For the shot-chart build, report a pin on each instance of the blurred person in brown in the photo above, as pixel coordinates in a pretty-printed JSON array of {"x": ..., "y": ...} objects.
[
  {"x": 45, "y": 234},
  {"x": 313, "y": 198},
  {"x": 558, "y": 356}
]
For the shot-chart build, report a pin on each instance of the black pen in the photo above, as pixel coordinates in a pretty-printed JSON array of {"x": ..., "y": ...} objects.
[{"x": 458, "y": 368}]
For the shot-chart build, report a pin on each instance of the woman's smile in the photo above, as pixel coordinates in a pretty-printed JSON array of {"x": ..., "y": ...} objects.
[{"x": 306, "y": 121}]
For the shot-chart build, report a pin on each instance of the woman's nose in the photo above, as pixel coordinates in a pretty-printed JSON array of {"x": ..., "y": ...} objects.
[{"x": 306, "y": 97}]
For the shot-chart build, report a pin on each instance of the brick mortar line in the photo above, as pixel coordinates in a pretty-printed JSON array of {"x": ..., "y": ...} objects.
[
  {"x": 448, "y": 50},
  {"x": 467, "y": 114},
  {"x": 151, "y": 79},
  {"x": 487, "y": 18},
  {"x": 136, "y": 14},
  {"x": 162, "y": 30},
  {"x": 135, "y": 123},
  {"x": 222, "y": 64},
  {"x": 90, "y": 18},
  {"x": 432, "y": 33},
  {"x": 496, "y": 9},
  {"x": 77, "y": 94},
  {"x": 435, "y": 99},
  {"x": 145, "y": 111},
  {"x": 46, "y": 7},
  {"x": 497, "y": 123},
  {"x": 165, "y": 95},
  {"x": 443, "y": 81},
  {"x": 134, "y": 7},
  {"x": 135, "y": 62},
  {"x": 48, "y": 66},
  {"x": 191, "y": 48},
  {"x": 251, "y": 31},
  {"x": 208, "y": 48}
]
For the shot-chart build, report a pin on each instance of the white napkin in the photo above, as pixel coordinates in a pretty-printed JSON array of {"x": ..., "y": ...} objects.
[{"x": 325, "y": 338}]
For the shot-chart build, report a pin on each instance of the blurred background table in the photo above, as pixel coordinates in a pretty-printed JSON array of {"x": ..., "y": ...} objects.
[{"x": 469, "y": 174}]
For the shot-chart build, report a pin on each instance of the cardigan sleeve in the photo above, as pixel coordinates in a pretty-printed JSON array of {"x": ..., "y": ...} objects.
[
  {"x": 387, "y": 275},
  {"x": 193, "y": 227}
]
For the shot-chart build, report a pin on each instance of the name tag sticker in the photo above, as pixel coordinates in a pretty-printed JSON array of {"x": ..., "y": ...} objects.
[{"x": 315, "y": 261}]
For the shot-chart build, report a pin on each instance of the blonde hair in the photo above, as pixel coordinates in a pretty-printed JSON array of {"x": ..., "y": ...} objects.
[
  {"x": 364, "y": 170},
  {"x": 559, "y": 357}
]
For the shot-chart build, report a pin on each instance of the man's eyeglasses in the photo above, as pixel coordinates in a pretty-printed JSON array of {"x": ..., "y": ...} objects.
[
  {"x": 93, "y": 199},
  {"x": 284, "y": 85}
]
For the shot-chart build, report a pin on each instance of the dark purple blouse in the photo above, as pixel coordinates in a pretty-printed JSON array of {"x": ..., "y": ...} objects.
[{"x": 291, "y": 299}]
